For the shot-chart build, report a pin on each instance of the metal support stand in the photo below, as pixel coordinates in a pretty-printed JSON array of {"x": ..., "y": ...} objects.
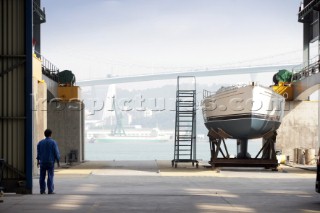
[{"x": 243, "y": 159}]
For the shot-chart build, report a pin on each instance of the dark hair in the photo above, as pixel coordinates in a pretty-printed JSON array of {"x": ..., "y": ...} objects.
[{"x": 47, "y": 133}]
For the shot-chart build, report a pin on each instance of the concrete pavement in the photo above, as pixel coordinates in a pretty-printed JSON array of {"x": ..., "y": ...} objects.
[{"x": 154, "y": 186}]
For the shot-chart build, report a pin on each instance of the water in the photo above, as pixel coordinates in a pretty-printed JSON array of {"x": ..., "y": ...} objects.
[{"x": 136, "y": 150}]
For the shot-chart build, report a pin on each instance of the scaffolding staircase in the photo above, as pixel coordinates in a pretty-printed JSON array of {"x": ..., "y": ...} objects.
[{"x": 185, "y": 122}]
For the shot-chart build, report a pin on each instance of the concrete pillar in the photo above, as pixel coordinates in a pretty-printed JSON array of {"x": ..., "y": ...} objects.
[
  {"x": 318, "y": 121},
  {"x": 310, "y": 156},
  {"x": 39, "y": 116},
  {"x": 66, "y": 120}
]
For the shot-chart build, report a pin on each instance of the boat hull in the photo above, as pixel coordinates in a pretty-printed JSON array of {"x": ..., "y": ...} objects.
[
  {"x": 244, "y": 128},
  {"x": 244, "y": 113}
]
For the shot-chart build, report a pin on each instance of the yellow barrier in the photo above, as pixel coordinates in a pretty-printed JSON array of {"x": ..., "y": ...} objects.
[
  {"x": 68, "y": 93},
  {"x": 284, "y": 89}
]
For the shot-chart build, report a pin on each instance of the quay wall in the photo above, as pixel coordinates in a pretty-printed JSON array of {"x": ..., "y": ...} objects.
[
  {"x": 66, "y": 120},
  {"x": 299, "y": 127}
]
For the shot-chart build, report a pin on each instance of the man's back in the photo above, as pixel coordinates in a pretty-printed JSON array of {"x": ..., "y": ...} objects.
[{"x": 47, "y": 151}]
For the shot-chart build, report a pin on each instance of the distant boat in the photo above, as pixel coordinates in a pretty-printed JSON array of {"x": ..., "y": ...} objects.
[
  {"x": 91, "y": 140},
  {"x": 136, "y": 135},
  {"x": 243, "y": 111},
  {"x": 131, "y": 139}
]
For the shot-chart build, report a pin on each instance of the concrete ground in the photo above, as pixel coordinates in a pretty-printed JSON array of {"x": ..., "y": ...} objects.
[{"x": 154, "y": 186}]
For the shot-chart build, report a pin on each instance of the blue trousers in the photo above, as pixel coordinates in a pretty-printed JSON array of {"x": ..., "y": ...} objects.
[{"x": 44, "y": 168}]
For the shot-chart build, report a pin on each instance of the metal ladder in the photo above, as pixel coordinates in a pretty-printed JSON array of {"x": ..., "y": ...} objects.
[{"x": 185, "y": 123}]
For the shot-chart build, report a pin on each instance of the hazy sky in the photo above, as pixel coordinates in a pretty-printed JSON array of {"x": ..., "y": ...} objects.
[{"x": 124, "y": 37}]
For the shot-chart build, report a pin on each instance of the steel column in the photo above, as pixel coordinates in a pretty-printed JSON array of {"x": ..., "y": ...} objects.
[{"x": 28, "y": 93}]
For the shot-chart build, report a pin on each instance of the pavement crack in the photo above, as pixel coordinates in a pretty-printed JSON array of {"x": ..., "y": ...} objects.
[
  {"x": 224, "y": 199},
  {"x": 94, "y": 207}
]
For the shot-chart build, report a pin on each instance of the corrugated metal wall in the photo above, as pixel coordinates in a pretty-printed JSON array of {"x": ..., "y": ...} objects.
[{"x": 13, "y": 92}]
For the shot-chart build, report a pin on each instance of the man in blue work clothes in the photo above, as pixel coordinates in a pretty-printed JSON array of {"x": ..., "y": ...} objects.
[{"x": 47, "y": 154}]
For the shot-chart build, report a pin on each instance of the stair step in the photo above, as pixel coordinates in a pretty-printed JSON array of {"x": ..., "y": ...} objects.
[
  {"x": 189, "y": 95},
  {"x": 185, "y": 116},
  {"x": 187, "y": 101},
  {"x": 186, "y": 90},
  {"x": 186, "y": 93},
  {"x": 185, "y": 104},
  {"x": 184, "y": 111}
]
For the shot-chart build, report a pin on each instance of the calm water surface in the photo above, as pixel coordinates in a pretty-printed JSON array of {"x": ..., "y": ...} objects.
[{"x": 136, "y": 150}]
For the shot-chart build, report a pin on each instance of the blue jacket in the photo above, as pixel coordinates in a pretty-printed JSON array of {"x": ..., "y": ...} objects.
[{"x": 47, "y": 151}]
